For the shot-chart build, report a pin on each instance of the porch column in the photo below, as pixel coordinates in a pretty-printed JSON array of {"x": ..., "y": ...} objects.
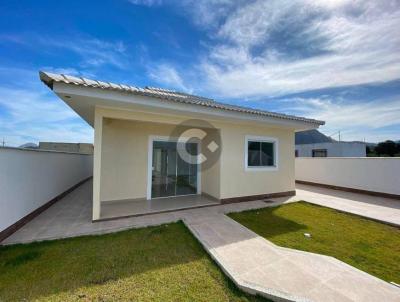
[{"x": 98, "y": 134}]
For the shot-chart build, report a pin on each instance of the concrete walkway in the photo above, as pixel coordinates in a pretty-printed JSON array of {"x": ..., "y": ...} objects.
[
  {"x": 258, "y": 266},
  {"x": 378, "y": 208}
]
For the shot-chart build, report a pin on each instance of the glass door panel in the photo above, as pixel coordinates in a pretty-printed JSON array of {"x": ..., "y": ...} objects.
[
  {"x": 164, "y": 169},
  {"x": 171, "y": 175},
  {"x": 187, "y": 173}
]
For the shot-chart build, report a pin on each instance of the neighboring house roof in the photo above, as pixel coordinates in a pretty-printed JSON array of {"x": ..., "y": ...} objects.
[
  {"x": 312, "y": 137},
  {"x": 167, "y": 95}
]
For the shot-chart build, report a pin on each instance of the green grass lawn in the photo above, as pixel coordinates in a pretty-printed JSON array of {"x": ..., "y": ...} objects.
[
  {"x": 163, "y": 263},
  {"x": 368, "y": 245}
]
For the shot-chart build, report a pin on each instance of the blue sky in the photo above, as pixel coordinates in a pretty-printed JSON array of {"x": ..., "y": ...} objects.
[{"x": 335, "y": 60}]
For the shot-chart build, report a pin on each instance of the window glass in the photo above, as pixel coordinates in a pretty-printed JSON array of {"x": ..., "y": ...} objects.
[
  {"x": 319, "y": 153},
  {"x": 253, "y": 154},
  {"x": 260, "y": 154},
  {"x": 267, "y": 154}
]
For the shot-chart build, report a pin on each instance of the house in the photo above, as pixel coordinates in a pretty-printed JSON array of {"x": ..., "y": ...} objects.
[
  {"x": 312, "y": 143},
  {"x": 83, "y": 148},
  {"x": 152, "y": 145}
]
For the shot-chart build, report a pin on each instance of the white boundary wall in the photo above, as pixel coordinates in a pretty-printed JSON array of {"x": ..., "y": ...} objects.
[
  {"x": 31, "y": 178},
  {"x": 335, "y": 149},
  {"x": 365, "y": 173}
]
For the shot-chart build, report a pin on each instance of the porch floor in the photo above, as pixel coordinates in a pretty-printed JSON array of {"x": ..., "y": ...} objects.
[
  {"x": 72, "y": 216},
  {"x": 134, "y": 207}
]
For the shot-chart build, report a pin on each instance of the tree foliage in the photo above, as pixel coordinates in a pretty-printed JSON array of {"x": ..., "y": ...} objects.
[{"x": 386, "y": 148}]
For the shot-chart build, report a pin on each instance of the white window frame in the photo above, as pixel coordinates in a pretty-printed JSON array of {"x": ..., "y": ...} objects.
[
  {"x": 267, "y": 139},
  {"x": 152, "y": 139}
]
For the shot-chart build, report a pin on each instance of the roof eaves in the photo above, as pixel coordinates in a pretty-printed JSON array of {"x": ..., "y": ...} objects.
[{"x": 165, "y": 94}]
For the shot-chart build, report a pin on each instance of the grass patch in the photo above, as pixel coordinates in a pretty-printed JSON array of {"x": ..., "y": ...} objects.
[
  {"x": 163, "y": 263},
  {"x": 367, "y": 245},
  {"x": 22, "y": 258}
]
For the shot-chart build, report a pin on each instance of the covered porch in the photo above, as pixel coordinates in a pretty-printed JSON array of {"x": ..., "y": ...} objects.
[{"x": 139, "y": 168}]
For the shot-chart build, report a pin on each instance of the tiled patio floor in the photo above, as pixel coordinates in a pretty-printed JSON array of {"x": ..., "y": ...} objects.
[{"x": 72, "y": 216}]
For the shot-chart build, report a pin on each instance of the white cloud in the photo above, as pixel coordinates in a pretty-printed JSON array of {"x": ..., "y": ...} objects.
[
  {"x": 94, "y": 52},
  {"x": 355, "y": 42},
  {"x": 26, "y": 105},
  {"x": 372, "y": 115},
  {"x": 32, "y": 113},
  {"x": 331, "y": 4},
  {"x": 209, "y": 13},
  {"x": 146, "y": 2},
  {"x": 168, "y": 75},
  {"x": 356, "y": 120},
  {"x": 250, "y": 24}
]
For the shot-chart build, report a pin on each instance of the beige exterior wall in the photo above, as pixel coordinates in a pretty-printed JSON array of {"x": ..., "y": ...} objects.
[
  {"x": 124, "y": 156},
  {"x": 235, "y": 181},
  {"x": 211, "y": 177},
  {"x": 124, "y": 168}
]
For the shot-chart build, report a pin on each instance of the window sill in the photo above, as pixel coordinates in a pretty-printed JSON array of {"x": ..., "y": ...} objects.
[{"x": 259, "y": 169}]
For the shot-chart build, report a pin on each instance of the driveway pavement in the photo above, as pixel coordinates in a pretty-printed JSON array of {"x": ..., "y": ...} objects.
[{"x": 378, "y": 208}]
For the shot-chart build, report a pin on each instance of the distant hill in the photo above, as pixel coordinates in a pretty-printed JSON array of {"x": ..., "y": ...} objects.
[{"x": 312, "y": 137}]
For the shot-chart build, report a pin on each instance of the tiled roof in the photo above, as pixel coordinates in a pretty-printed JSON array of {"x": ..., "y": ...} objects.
[{"x": 165, "y": 94}]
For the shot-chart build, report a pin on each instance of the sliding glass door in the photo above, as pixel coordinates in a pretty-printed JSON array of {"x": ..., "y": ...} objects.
[{"x": 171, "y": 175}]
